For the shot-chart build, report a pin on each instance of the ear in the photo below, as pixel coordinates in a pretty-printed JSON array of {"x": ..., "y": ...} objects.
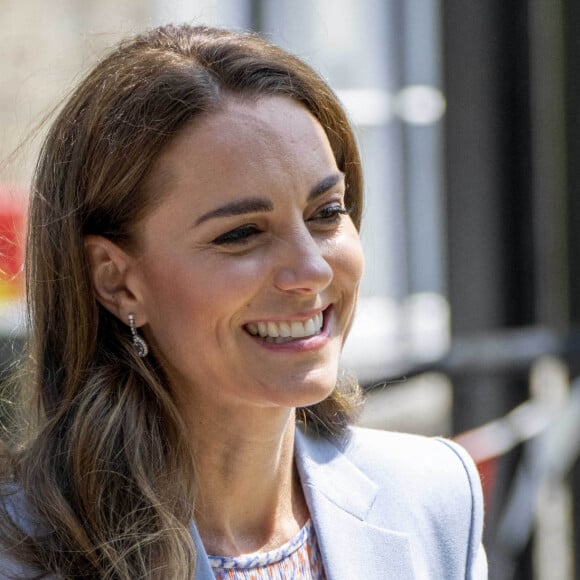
[{"x": 113, "y": 282}]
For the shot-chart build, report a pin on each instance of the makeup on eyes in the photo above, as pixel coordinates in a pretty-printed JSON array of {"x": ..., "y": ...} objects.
[{"x": 331, "y": 214}]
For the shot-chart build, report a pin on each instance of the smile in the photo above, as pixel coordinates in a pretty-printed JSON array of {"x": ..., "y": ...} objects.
[{"x": 285, "y": 331}]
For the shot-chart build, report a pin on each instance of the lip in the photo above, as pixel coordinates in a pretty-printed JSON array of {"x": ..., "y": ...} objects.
[{"x": 310, "y": 343}]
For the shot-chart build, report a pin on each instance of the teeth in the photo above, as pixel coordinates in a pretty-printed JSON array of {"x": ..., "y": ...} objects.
[
  {"x": 285, "y": 329},
  {"x": 262, "y": 329},
  {"x": 297, "y": 329},
  {"x": 290, "y": 329},
  {"x": 273, "y": 329}
]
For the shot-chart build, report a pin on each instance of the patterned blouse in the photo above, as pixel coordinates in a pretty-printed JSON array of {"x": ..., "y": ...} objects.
[{"x": 298, "y": 558}]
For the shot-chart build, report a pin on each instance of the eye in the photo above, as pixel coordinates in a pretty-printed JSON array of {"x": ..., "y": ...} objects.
[
  {"x": 239, "y": 235},
  {"x": 330, "y": 214}
]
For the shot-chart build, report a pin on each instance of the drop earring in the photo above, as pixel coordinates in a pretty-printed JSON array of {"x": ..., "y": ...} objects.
[{"x": 140, "y": 345}]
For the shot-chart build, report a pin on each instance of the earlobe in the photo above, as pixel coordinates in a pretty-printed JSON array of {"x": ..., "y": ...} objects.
[{"x": 110, "y": 268}]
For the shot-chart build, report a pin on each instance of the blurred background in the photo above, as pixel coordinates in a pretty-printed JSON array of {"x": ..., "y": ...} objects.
[{"x": 468, "y": 116}]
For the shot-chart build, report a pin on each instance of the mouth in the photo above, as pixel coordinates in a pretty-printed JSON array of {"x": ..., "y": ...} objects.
[{"x": 284, "y": 331}]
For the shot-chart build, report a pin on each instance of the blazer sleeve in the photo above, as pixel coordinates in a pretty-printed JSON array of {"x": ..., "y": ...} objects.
[
  {"x": 476, "y": 565},
  {"x": 10, "y": 570},
  {"x": 14, "y": 507}
]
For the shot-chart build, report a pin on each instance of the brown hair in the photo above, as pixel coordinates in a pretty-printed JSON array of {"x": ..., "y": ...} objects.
[{"x": 109, "y": 470}]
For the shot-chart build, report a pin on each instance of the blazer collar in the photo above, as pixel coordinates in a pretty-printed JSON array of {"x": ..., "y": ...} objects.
[{"x": 340, "y": 498}]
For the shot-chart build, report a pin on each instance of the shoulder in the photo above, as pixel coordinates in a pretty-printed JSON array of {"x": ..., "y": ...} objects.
[
  {"x": 396, "y": 457},
  {"x": 16, "y": 518},
  {"x": 426, "y": 488},
  {"x": 408, "y": 458},
  {"x": 430, "y": 485},
  {"x": 16, "y": 506},
  {"x": 437, "y": 471}
]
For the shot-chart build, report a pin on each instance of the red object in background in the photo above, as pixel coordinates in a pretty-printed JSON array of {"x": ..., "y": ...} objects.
[
  {"x": 488, "y": 472},
  {"x": 13, "y": 202},
  {"x": 485, "y": 449}
]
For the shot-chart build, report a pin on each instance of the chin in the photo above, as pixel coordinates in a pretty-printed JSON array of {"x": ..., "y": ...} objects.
[{"x": 312, "y": 393}]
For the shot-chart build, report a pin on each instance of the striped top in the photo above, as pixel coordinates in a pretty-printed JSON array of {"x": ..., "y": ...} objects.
[{"x": 298, "y": 558}]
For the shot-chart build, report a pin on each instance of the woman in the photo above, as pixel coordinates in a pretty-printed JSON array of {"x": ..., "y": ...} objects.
[{"x": 193, "y": 265}]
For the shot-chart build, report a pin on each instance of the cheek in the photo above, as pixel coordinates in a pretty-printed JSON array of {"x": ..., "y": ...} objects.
[
  {"x": 180, "y": 292},
  {"x": 350, "y": 269},
  {"x": 358, "y": 260},
  {"x": 349, "y": 258}
]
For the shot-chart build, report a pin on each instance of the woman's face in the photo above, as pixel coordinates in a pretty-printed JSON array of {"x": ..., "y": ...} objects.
[{"x": 248, "y": 269}]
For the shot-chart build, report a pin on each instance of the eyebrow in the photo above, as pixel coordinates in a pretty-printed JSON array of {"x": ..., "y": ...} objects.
[
  {"x": 260, "y": 205},
  {"x": 325, "y": 185},
  {"x": 238, "y": 207}
]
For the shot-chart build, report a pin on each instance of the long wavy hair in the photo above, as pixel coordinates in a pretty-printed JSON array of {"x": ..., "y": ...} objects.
[{"x": 108, "y": 469}]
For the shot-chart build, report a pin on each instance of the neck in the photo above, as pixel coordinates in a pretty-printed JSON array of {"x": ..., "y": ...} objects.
[{"x": 249, "y": 496}]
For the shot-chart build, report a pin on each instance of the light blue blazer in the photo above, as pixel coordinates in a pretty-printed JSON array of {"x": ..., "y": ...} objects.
[{"x": 387, "y": 506}]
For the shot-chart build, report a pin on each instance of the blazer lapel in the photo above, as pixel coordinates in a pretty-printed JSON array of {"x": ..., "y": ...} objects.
[{"x": 340, "y": 497}]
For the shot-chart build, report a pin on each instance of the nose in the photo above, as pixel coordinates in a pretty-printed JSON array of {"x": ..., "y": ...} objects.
[{"x": 302, "y": 267}]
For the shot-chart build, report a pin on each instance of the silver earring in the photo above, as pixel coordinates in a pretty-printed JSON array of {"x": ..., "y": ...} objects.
[{"x": 140, "y": 345}]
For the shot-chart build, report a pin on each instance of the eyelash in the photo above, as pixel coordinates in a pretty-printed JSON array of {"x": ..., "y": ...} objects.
[
  {"x": 240, "y": 235},
  {"x": 332, "y": 213},
  {"x": 328, "y": 215}
]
